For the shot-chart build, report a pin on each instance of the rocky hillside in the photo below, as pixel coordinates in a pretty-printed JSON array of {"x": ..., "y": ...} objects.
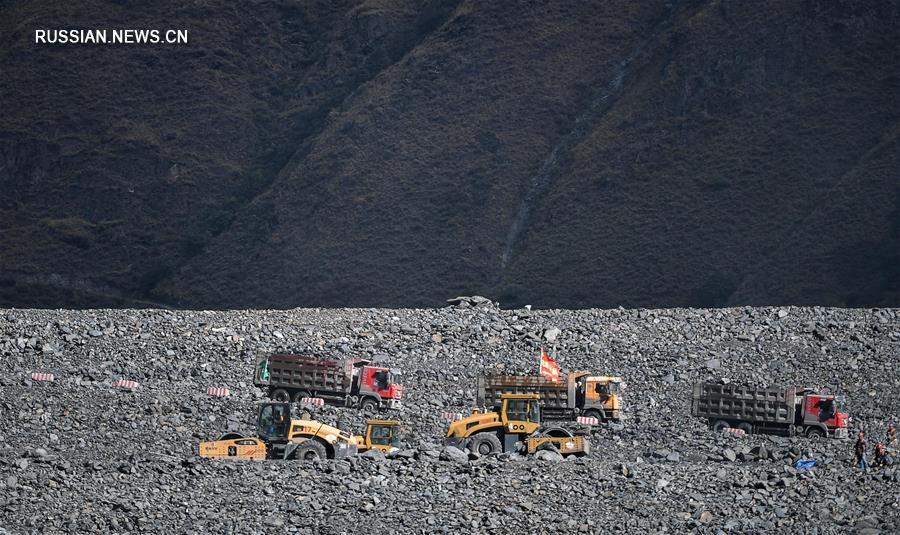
[
  {"x": 398, "y": 152},
  {"x": 78, "y": 455}
]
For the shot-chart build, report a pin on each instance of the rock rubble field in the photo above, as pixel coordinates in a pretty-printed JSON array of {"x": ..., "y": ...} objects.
[{"x": 79, "y": 455}]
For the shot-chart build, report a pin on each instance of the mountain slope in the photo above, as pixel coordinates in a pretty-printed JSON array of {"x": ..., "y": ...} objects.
[
  {"x": 395, "y": 153},
  {"x": 121, "y": 162},
  {"x": 738, "y": 167}
]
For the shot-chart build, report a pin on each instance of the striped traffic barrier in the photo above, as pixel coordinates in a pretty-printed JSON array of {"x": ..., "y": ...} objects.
[
  {"x": 313, "y": 401},
  {"x": 587, "y": 420},
  {"x": 127, "y": 384},
  {"x": 452, "y": 416},
  {"x": 734, "y": 431},
  {"x": 42, "y": 376},
  {"x": 218, "y": 391}
]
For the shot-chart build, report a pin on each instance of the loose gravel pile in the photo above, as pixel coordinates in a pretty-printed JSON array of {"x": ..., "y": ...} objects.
[{"x": 77, "y": 454}]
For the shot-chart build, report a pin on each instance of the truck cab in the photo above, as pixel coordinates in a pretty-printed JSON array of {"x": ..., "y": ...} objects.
[
  {"x": 384, "y": 383},
  {"x": 823, "y": 412},
  {"x": 602, "y": 396}
]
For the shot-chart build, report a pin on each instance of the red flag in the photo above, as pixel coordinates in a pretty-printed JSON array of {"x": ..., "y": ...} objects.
[{"x": 549, "y": 367}]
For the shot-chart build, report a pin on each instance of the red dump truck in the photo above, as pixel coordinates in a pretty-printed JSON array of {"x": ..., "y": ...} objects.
[
  {"x": 351, "y": 382},
  {"x": 775, "y": 410},
  {"x": 575, "y": 394}
]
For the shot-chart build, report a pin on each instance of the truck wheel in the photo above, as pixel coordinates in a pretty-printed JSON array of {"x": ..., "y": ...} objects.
[
  {"x": 485, "y": 444},
  {"x": 310, "y": 450},
  {"x": 280, "y": 394},
  {"x": 745, "y": 427},
  {"x": 720, "y": 425},
  {"x": 368, "y": 405},
  {"x": 814, "y": 432},
  {"x": 300, "y": 395}
]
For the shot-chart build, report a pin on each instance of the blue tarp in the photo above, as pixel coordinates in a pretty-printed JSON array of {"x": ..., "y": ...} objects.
[{"x": 805, "y": 464}]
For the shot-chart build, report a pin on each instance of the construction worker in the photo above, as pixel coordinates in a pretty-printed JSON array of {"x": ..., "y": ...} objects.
[
  {"x": 882, "y": 458},
  {"x": 891, "y": 434},
  {"x": 861, "y": 452}
]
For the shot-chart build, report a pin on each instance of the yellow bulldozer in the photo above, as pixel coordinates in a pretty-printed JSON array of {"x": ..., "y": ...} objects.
[
  {"x": 281, "y": 437},
  {"x": 515, "y": 427}
]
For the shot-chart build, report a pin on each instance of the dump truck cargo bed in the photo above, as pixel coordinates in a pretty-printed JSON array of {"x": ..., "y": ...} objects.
[
  {"x": 310, "y": 373},
  {"x": 746, "y": 403},
  {"x": 552, "y": 394}
]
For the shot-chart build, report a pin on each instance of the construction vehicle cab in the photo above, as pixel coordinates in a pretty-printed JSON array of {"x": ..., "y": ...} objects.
[
  {"x": 384, "y": 435},
  {"x": 520, "y": 413},
  {"x": 516, "y": 427},
  {"x": 274, "y": 422}
]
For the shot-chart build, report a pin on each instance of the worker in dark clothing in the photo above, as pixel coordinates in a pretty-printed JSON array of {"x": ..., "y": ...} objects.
[
  {"x": 882, "y": 458},
  {"x": 861, "y": 450}
]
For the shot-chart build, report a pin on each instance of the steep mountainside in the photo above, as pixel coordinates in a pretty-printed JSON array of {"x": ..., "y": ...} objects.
[{"x": 397, "y": 152}]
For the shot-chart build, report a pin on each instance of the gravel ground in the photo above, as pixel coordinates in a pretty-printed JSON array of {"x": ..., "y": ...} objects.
[{"x": 79, "y": 455}]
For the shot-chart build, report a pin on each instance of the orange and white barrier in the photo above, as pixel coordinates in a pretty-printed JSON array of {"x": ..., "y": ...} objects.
[
  {"x": 452, "y": 416},
  {"x": 218, "y": 391},
  {"x": 734, "y": 431},
  {"x": 43, "y": 376},
  {"x": 587, "y": 420},
  {"x": 126, "y": 384},
  {"x": 313, "y": 401}
]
